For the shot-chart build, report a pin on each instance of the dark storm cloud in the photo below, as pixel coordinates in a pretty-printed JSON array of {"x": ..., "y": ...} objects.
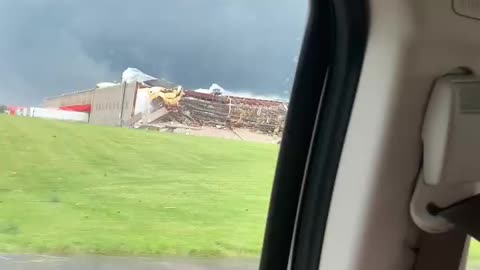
[{"x": 50, "y": 47}]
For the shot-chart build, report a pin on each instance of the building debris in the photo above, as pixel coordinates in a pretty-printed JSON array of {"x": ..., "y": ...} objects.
[
  {"x": 201, "y": 109},
  {"x": 155, "y": 116},
  {"x": 134, "y": 120}
]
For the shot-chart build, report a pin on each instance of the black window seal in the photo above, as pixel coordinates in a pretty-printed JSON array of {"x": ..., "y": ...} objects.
[{"x": 320, "y": 107}]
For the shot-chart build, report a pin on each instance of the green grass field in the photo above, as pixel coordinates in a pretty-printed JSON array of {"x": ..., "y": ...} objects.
[
  {"x": 474, "y": 252},
  {"x": 69, "y": 188}
]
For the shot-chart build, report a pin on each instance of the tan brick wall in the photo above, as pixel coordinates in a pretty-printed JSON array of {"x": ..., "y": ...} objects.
[{"x": 107, "y": 105}]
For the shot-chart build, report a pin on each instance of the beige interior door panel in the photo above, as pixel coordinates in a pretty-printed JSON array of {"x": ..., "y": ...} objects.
[{"x": 411, "y": 43}]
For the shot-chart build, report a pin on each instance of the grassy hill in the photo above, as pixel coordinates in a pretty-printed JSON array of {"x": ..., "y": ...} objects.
[{"x": 69, "y": 188}]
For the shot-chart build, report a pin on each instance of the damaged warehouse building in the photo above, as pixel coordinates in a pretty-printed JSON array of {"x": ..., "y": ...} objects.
[{"x": 161, "y": 105}]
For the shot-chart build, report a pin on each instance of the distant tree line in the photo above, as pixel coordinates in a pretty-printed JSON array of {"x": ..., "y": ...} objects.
[{"x": 3, "y": 108}]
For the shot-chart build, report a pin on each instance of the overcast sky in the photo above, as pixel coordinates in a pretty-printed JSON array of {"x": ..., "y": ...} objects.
[{"x": 50, "y": 47}]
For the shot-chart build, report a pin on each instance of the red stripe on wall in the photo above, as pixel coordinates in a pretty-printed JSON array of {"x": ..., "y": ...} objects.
[{"x": 77, "y": 108}]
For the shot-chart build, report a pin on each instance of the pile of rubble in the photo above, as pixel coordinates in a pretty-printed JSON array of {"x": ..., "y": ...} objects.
[{"x": 196, "y": 109}]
